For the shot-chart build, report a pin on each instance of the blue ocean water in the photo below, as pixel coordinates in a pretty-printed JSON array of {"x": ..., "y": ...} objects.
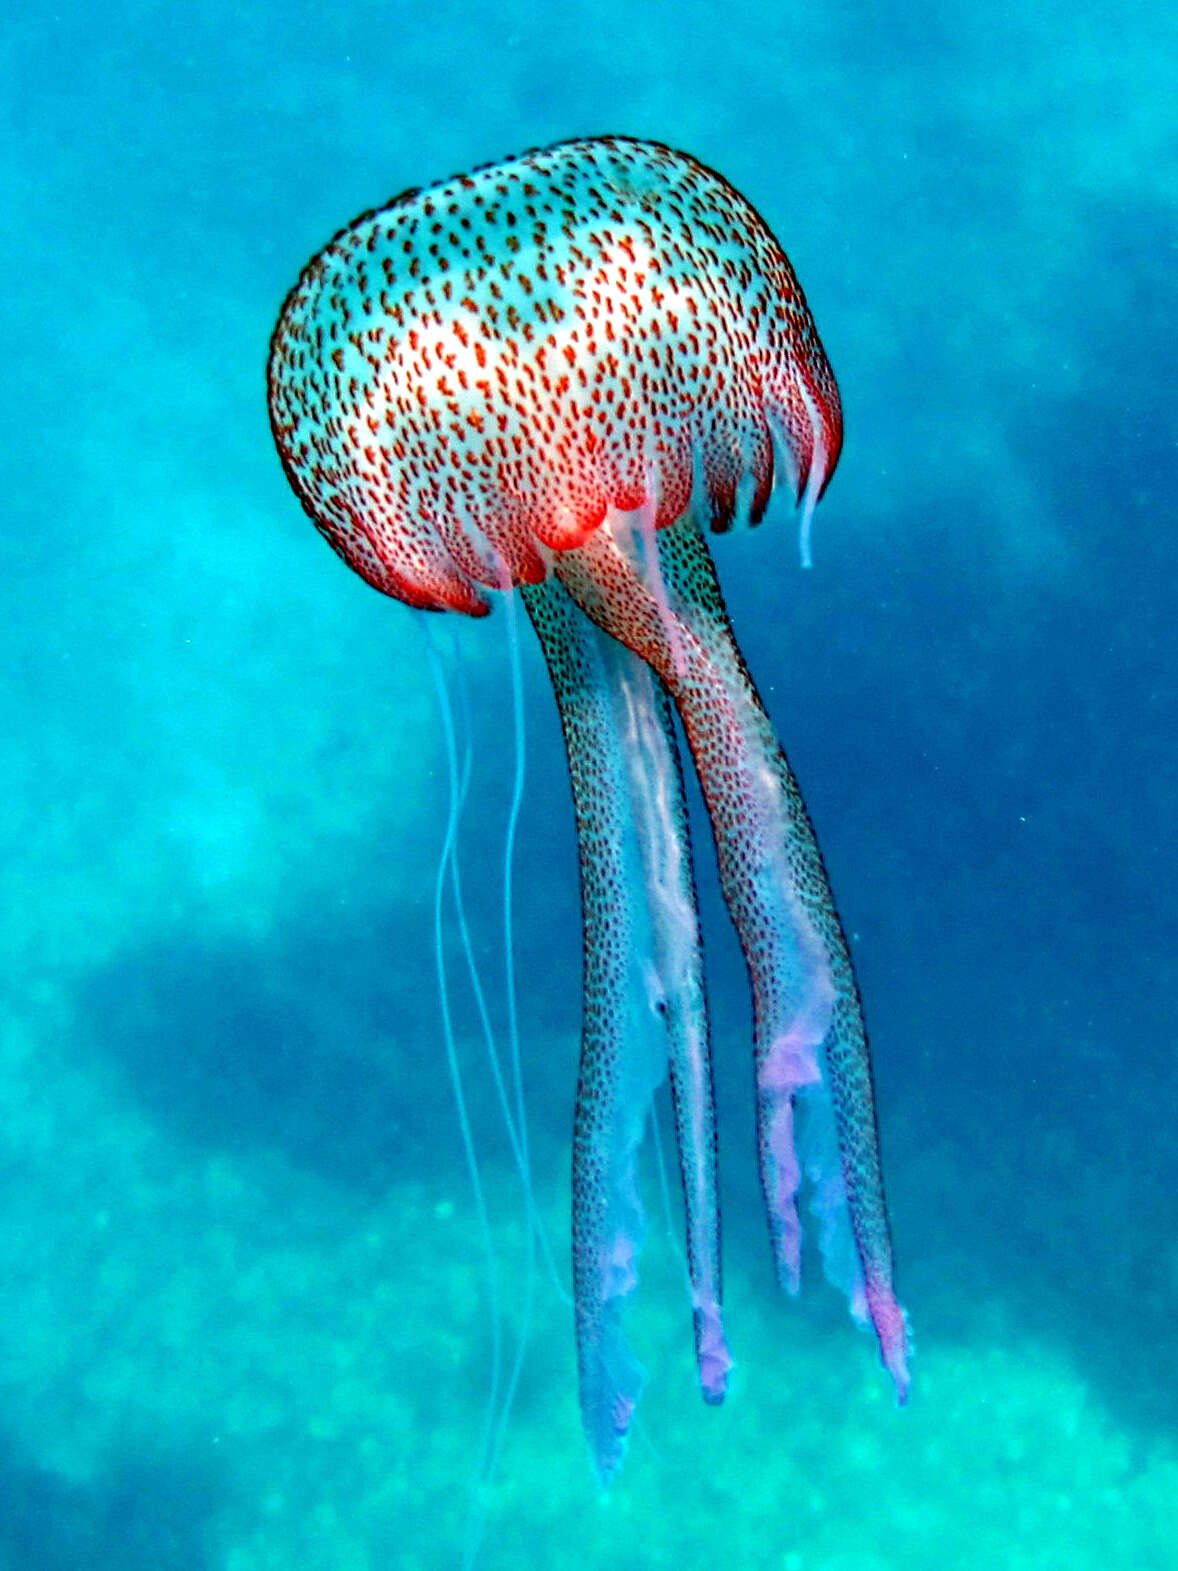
[{"x": 243, "y": 1307}]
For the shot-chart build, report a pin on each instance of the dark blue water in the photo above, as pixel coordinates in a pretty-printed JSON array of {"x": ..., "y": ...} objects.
[{"x": 243, "y": 1323}]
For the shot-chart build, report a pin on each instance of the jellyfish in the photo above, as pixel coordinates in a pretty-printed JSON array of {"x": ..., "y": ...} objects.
[{"x": 558, "y": 375}]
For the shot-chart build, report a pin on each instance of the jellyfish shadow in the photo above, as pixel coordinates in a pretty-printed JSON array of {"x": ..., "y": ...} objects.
[
  {"x": 140, "y": 1514},
  {"x": 325, "y": 1042}
]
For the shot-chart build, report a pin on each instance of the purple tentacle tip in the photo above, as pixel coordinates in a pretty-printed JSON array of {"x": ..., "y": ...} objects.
[
  {"x": 891, "y": 1327},
  {"x": 712, "y": 1355}
]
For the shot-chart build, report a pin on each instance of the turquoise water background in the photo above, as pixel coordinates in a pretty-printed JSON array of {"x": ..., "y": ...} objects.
[{"x": 243, "y": 1309}]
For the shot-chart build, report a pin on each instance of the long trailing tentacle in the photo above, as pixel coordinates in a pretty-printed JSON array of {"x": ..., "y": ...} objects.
[
  {"x": 810, "y": 1041},
  {"x": 644, "y": 1006}
]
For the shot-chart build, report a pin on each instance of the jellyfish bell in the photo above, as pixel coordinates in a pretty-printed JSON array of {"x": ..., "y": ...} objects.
[
  {"x": 558, "y": 374},
  {"x": 481, "y": 370}
]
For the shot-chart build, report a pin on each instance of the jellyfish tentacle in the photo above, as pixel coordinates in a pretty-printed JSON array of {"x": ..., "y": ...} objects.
[
  {"x": 815, "y": 1101},
  {"x": 658, "y": 812},
  {"x": 644, "y": 1007}
]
